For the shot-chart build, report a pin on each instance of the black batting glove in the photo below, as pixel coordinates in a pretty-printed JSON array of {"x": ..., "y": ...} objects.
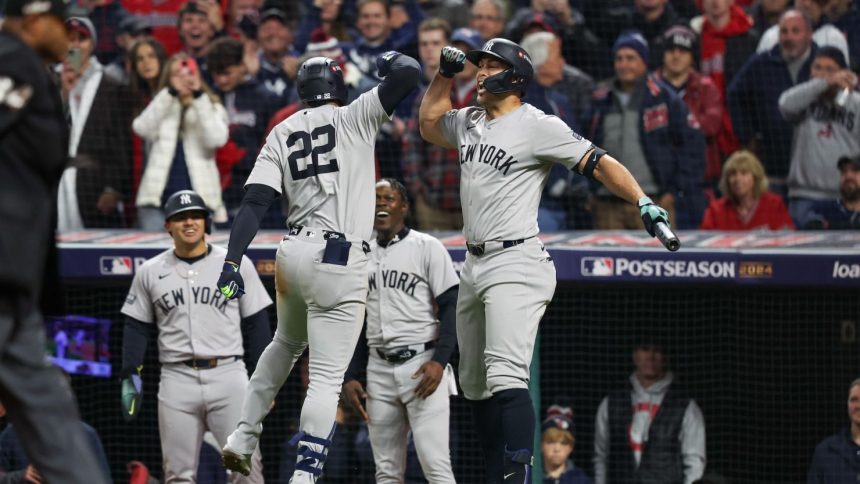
[
  {"x": 230, "y": 283},
  {"x": 384, "y": 61},
  {"x": 451, "y": 61},
  {"x": 651, "y": 214}
]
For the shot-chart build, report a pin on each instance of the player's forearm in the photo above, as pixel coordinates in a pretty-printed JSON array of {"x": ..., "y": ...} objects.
[
  {"x": 135, "y": 338},
  {"x": 617, "y": 179},
  {"x": 258, "y": 334},
  {"x": 404, "y": 76},
  {"x": 436, "y": 102},
  {"x": 247, "y": 222},
  {"x": 447, "y": 343}
]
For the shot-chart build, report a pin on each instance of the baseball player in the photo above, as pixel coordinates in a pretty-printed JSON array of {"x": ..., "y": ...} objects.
[
  {"x": 408, "y": 377},
  {"x": 321, "y": 159},
  {"x": 203, "y": 377},
  {"x": 506, "y": 151}
]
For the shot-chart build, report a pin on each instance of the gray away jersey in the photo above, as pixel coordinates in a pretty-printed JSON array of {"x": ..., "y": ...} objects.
[
  {"x": 404, "y": 280},
  {"x": 324, "y": 159},
  {"x": 504, "y": 166},
  {"x": 194, "y": 319}
]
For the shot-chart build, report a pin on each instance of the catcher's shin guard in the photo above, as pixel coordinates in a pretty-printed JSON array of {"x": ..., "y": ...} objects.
[{"x": 311, "y": 454}]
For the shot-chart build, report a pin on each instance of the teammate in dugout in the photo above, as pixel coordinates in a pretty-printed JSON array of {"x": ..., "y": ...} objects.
[
  {"x": 199, "y": 332},
  {"x": 506, "y": 151},
  {"x": 322, "y": 158},
  {"x": 408, "y": 376}
]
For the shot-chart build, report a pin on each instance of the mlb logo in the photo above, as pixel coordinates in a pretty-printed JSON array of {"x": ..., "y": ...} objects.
[
  {"x": 597, "y": 266},
  {"x": 116, "y": 266}
]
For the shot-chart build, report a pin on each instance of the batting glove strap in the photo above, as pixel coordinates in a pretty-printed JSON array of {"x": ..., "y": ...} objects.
[
  {"x": 651, "y": 214},
  {"x": 384, "y": 61},
  {"x": 230, "y": 284},
  {"x": 451, "y": 61}
]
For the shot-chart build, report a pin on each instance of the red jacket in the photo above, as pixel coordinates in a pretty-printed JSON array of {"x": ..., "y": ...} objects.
[
  {"x": 705, "y": 103},
  {"x": 769, "y": 214}
]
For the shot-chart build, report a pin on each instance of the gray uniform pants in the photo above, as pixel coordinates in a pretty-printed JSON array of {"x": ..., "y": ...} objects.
[
  {"x": 319, "y": 305},
  {"x": 503, "y": 295},
  {"x": 190, "y": 402},
  {"x": 39, "y": 402}
]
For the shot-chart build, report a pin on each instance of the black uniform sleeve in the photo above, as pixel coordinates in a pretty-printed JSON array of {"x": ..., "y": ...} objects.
[
  {"x": 256, "y": 331},
  {"x": 135, "y": 337},
  {"x": 403, "y": 78},
  {"x": 254, "y": 205},
  {"x": 447, "y": 343},
  {"x": 358, "y": 364}
]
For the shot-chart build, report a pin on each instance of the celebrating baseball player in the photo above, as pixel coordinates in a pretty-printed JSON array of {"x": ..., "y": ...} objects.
[
  {"x": 203, "y": 377},
  {"x": 506, "y": 150},
  {"x": 408, "y": 377},
  {"x": 322, "y": 159}
]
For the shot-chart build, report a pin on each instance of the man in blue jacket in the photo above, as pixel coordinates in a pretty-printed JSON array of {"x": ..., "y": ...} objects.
[
  {"x": 835, "y": 460},
  {"x": 753, "y": 95},
  {"x": 641, "y": 121}
]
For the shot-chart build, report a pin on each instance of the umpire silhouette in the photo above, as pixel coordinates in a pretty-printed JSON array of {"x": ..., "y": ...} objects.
[{"x": 33, "y": 153}]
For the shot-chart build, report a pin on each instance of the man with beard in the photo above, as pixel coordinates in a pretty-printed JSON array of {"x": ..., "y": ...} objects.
[
  {"x": 825, "y": 112},
  {"x": 843, "y": 213}
]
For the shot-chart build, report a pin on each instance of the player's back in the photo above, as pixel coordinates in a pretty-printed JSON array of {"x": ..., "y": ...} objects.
[{"x": 325, "y": 161}]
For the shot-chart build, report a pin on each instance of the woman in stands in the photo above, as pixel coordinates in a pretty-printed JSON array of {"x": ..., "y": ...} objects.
[
  {"x": 746, "y": 204},
  {"x": 185, "y": 124}
]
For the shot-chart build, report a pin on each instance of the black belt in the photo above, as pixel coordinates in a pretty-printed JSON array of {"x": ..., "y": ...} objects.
[
  {"x": 209, "y": 363},
  {"x": 480, "y": 249},
  {"x": 328, "y": 234},
  {"x": 405, "y": 354}
]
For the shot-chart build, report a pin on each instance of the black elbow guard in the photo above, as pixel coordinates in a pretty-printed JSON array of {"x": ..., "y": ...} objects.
[{"x": 591, "y": 163}]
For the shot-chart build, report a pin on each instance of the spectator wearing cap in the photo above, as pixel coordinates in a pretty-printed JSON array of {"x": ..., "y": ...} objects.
[
  {"x": 98, "y": 178},
  {"x": 431, "y": 172},
  {"x": 746, "y": 204},
  {"x": 768, "y": 12},
  {"x": 845, "y": 15},
  {"x": 278, "y": 59},
  {"x": 488, "y": 17},
  {"x": 650, "y": 429},
  {"x": 557, "y": 444},
  {"x": 844, "y": 212},
  {"x": 249, "y": 107},
  {"x": 563, "y": 91},
  {"x": 823, "y": 33},
  {"x": 699, "y": 92},
  {"x": 753, "y": 96},
  {"x": 825, "y": 112},
  {"x": 642, "y": 121},
  {"x": 323, "y": 44},
  {"x": 107, "y": 18},
  {"x": 131, "y": 29},
  {"x": 581, "y": 47}
]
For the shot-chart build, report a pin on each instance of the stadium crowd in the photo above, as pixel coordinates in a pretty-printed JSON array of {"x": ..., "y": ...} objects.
[{"x": 734, "y": 115}]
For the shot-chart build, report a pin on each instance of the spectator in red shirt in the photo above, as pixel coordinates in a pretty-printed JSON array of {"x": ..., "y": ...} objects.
[{"x": 746, "y": 205}]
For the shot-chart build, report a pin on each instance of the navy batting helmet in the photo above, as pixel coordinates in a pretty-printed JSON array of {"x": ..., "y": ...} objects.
[
  {"x": 187, "y": 201},
  {"x": 514, "y": 78},
  {"x": 321, "y": 79}
]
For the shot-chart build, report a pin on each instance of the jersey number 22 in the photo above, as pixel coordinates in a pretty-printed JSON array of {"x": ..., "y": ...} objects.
[{"x": 309, "y": 147}]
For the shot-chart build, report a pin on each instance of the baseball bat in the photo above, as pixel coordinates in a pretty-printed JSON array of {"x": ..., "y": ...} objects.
[{"x": 667, "y": 237}]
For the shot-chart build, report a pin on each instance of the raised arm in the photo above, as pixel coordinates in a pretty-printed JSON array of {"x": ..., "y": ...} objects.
[
  {"x": 401, "y": 73},
  {"x": 437, "y": 99}
]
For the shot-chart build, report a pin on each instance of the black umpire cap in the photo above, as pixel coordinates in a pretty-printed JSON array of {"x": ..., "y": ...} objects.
[{"x": 25, "y": 8}]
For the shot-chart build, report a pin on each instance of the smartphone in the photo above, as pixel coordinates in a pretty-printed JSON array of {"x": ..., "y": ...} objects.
[
  {"x": 75, "y": 59},
  {"x": 189, "y": 66}
]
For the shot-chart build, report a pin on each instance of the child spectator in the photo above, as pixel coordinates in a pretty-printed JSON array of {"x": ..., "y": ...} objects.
[{"x": 557, "y": 441}]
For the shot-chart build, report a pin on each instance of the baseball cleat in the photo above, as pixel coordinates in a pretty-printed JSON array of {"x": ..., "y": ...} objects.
[{"x": 236, "y": 462}]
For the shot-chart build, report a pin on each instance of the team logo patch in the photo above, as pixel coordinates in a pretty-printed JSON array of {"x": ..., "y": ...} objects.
[
  {"x": 656, "y": 117},
  {"x": 185, "y": 199},
  {"x": 130, "y": 299},
  {"x": 597, "y": 266},
  {"x": 116, "y": 265}
]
